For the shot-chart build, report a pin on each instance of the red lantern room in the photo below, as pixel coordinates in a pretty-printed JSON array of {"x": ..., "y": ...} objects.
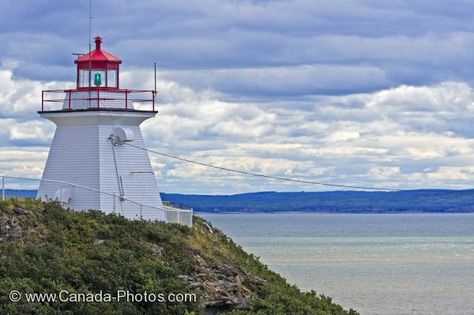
[
  {"x": 97, "y": 88},
  {"x": 98, "y": 69}
]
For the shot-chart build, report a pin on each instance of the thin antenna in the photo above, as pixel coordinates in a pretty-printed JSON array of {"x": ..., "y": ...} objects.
[
  {"x": 90, "y": 49},
  {"x": 154, "y": 91},
  {"x": 90, "y": 25},
  {"x": 154, "y": 64}
]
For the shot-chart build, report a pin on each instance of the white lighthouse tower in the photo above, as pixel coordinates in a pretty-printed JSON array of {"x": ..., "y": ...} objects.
[{"x": 90, "y": 165}]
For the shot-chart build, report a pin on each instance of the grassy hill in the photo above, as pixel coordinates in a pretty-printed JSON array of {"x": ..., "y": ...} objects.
[{"x": 46, "y": 249}]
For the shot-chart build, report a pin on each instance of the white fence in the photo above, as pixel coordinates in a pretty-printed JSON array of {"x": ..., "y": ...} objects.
[
  {"x": 180, "y": 216},
  {"x": 121, "y": 205}
]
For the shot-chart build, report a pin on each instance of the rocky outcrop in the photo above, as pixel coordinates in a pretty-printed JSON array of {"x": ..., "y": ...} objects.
[
  {"x": 21, "y": 211},
  {"x": 156, "y": 250},
  {"x": 10, "y": 230},
  {"x": 10, "y": 227},
  {"x": 223, "y": 286},
  {"x": 99, "y": 242}
]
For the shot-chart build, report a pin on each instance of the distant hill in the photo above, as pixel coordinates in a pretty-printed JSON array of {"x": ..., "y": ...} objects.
[
  {"x": 332, "y": 201},
  {"x": 424, "y": 200},
  {"x": 28, "y": 193}
]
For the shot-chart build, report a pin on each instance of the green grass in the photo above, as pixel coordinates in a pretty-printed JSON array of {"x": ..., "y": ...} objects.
[{"x": 60, "y": 250}]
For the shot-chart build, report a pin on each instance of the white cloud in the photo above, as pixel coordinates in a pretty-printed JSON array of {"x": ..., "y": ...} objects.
[
  {"x": 345, "y": 135},
  {"x": 442, "y": 98},
  {"x": 23, "y": 162},
  {"x": 37, "y": 131},
  {"x": 452, "y": 173},
  {"x": 22, "y": 97},
  {"x": 403, "y": 137},
  {"x": 384, "y": 148},
  {"x": 385, "y": 173}
]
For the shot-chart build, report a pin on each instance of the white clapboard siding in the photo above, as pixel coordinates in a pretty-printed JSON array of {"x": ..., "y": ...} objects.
[{"x": 81, "y": 153}]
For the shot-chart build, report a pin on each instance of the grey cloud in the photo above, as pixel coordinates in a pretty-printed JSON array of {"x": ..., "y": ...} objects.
[
  {"x": 403, "y": 42},
  {"x": 285, "y": 81}
]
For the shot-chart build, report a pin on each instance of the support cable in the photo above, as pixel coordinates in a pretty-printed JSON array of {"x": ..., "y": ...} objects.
[{"x": 227, "y": 169}]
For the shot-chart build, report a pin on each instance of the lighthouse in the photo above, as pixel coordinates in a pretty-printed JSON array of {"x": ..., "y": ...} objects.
[{"x": 90, "y": 165}]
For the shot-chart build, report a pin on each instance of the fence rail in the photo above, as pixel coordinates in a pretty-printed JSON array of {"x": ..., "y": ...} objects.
[{"x": 173, "y": 215}]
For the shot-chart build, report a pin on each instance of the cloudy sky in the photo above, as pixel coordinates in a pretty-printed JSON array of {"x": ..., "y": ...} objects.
[{"x": 372, "y": 93}]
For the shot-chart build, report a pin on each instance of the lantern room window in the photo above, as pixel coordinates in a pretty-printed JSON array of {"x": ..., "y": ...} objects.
[
  {"x": 98, "y": 78},
  {"x": 83, "y": 78},
  {"x": 112, "y": 78}
]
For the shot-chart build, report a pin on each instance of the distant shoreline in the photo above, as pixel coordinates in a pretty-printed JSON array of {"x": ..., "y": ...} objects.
[
  {"x": 327, "y": 212},
  {"x": 330, "y": 202},
  {"x": 408, "y": 201}
]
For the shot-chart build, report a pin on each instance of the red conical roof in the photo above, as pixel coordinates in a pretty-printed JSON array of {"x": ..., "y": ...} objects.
[{"x": 98, "y": 55}]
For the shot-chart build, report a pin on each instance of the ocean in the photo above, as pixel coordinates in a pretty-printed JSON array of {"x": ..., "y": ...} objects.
[{"x": 375, "y": 263}]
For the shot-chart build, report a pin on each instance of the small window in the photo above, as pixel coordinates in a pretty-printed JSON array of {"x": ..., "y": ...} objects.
[{"x": 112, "y": 78}]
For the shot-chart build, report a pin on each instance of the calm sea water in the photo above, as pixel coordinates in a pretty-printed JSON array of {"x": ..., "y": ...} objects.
[{"x": 374, "y": 263}]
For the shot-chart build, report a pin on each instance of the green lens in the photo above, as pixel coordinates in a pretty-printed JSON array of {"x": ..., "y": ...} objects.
[{"x": 97, "y": 79}]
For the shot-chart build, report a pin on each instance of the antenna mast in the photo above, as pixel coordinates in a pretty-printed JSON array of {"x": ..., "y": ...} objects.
[
  {"x": 90, "y": 49},
  {"x": 154, "y": 91},
  {"x": 154, "y": 64},
  {"x": 90, "y": 24}
]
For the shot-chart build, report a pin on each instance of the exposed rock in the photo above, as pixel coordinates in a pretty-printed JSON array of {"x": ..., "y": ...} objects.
[
  {"x": 195, "y": 285},
  {"x": 99, "y": 242},
  {"x": 10, "y": 230},
  {"x": 254, "y": 280},
  {"x": 185, "y": 277},
  {"x": 224, "y": 286},
  {"x": 156, "y": 250},
  {"x": 21, "y": 211},
  {"x": 207, "y": 226}
]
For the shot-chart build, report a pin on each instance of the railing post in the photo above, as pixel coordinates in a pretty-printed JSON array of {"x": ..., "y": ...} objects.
[
  {"x": 98, "y": 96},
  {"x": 154, "y": 96},
  {"x": 42, "y": 101},
  {"x": 69, "y": 105},
  {"x": 114, "y": 202},
  {"x": 3, "y": 187},
  {"x": 126, "y": 99},
  {"x": 141, "y": 212}
]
